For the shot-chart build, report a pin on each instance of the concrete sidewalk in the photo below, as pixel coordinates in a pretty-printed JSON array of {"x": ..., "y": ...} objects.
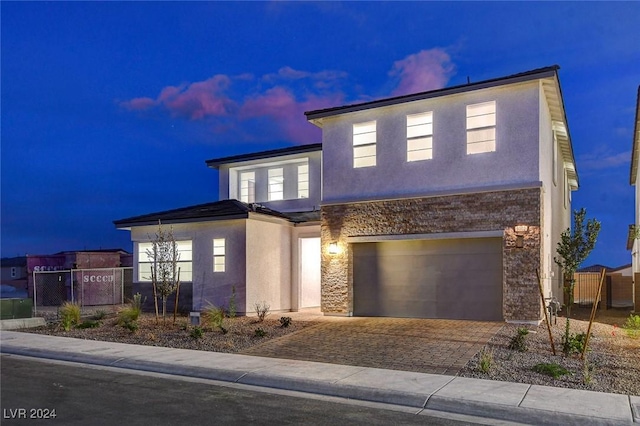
[{"x": 529, "y": 404}]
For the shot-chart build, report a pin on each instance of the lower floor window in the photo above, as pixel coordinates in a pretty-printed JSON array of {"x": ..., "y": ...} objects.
[
  {"x": 145, "y": 260},
  {"x": 218, "y": 255}
]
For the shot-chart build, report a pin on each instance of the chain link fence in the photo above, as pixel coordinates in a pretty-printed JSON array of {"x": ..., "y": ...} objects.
[{"x": 87, "y": 287}]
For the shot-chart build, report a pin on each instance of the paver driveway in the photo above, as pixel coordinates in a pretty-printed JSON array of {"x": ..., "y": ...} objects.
[{"x": 420, "y": 345}]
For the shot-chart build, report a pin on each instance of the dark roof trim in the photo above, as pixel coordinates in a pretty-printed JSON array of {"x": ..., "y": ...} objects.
[
  {"x": 219, "y": 210},
  {"x": 217, "y": 162},
  {"x": 515, "y": 78}
]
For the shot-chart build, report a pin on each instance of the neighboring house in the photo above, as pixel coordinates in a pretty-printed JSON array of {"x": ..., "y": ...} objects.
[
  {"x": 441, "y": 204},
  {"x": 13, "y": 275},
  {"x": 444, "y": 203},
  {"x": 633, "y": 242}
]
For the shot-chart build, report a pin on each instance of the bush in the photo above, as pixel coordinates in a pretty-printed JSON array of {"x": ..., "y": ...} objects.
[
  {"x": 213, "y": 317},
  {"x": 262, "y": 310},
  {"x": 196, "y": 332},
  {"x": 554, "y": 370},
  {"x": 132, "y": 326},
  {"x": 232, "y": 303},
  {"x": 260, "y": 332},
  {"x": 99, "y": 315},
  {"x": 285, "y": 322},
  {"x": 519, "y": 342},
  {"x": 632, "y": 326},
  {"x": 573, "y": 343},
  {"x": 128, "y": 316},
  {"x": 69, "y": 315},
  {"x": 486, "y": 360}
]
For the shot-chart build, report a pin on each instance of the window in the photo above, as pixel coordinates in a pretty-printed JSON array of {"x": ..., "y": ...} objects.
[
  {"x": 276, "y": 184},
  {"x": 248, "y": 187},
  {"x": 420, "y": 136},
  {"x": 218, "y": 255},
  {"x": 303, "y": 181},
  {"x": 481, "y": 128},
  {"x": 13, "y": 272},
  {"x": 364, "y": 144},
  {"x": 184, "y": 261}
]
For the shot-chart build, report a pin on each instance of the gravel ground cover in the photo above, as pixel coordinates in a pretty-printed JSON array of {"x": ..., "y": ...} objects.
[{"x": 612, "y": 362}]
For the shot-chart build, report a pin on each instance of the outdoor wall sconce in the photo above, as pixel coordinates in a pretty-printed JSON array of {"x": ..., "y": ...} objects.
[
  {"x": 333, "y": 248},
  {"x": 521, "y": 229}
]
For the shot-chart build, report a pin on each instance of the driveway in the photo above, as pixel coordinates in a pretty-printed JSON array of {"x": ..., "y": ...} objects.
[{"x": 420, "y": 345}]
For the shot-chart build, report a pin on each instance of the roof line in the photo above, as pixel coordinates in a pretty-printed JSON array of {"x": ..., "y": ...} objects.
[
  {"x": 217, "y": 162},
  {"x": 635, "y": 151},
  {"x": 515, "y": 78}
]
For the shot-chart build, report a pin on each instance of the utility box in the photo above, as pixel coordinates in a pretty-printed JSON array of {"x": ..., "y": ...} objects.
[{"x": 16, "y": 308}]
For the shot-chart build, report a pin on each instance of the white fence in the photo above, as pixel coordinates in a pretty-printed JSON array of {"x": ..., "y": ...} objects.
[{"x": 87, "y": 287}]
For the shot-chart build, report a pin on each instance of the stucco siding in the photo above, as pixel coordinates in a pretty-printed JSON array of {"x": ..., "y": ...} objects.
[
  {"x": 209, "y": 288},
  {"x": 514, "y": 161},
  {"x": 268, "y": 254}
]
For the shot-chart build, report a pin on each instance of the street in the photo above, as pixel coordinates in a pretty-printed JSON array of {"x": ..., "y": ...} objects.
[{"x": 38, "y": 391}]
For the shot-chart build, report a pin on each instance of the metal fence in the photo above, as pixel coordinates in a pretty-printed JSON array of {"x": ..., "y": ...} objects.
[{"x": 87, "y": 287}]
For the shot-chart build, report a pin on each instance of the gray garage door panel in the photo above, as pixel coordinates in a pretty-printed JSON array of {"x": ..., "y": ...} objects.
[{"x": 457, "y": 279}]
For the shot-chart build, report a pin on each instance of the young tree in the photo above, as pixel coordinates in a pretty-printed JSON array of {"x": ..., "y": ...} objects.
[
  {"x": 165, "y": 274},
  {"x": 573, "y": 249}
]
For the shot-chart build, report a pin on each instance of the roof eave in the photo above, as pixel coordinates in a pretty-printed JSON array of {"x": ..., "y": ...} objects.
[
  {"x": 635, "y": 152},
  {"x": 215, "y": 163},
  {"x": 316, "y": 116}
]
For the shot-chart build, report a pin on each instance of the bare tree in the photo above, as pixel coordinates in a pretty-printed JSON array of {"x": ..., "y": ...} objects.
[{"x": 165, "y": 274}]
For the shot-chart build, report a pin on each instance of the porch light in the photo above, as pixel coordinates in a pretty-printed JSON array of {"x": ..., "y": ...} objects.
[
  {"x": 333, "y": 248},
  {"x": 521, "y": 229}
]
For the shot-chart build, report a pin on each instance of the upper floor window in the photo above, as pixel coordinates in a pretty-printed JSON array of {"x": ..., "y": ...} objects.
[
  {"x": 276, "y": 184},
  {"x": 14, "y": 272},
  {"x": 248, "y": 187},
  {"x": 303, "y": 181},
  {"x": 420, "y": 136},
  {"x": 218, "y": 255},
  {"x": 364, "y": 144},
  {"x": 481, "y": 127},
  {"x": 145, "y": 262}
]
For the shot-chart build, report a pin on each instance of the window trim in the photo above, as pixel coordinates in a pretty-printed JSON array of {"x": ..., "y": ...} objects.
[
  {"x": 415, "y": 135},
  {"x": 185, "y": 261},
  {"x": 219, "y": 254},
  {"x": 364, "y": 144},
  {"x": 275, "y": 184},
  {"x": 481, "y": 129}
]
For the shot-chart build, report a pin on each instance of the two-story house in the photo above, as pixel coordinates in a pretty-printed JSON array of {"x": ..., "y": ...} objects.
[
  {"x": 441, "y": 204},
  {"x": 633, "y": 242},
  {"x": 260, "y": 243}
]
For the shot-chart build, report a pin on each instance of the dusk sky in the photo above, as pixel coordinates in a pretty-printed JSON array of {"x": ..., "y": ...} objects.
[{"x": 110, "y": 109}]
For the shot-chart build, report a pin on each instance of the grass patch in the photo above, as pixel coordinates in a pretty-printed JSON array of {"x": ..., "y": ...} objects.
[
  {"x": 632, "y": 326},
  {"x": 551, "y": 369}
]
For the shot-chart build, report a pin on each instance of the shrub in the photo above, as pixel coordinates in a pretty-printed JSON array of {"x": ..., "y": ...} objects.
[
  {"x": 89, "y": 324},
  {"x": 285, "y": 322},
  {"x": 519, "y": 341},
  {"x": 632, "y": 326},
  {"x": 486, "y": 360},
  {"x": 213, "y": 317},
  {"x": 128, "y": 315},
  {"x": 260, "y": 332},
  {"x": 132, "y": 326},
  {"x": 196, "y": 332},
  {"x": 232, "y": 303},
  {"x": 573, "y": 343},
  {"x": 554, "y": 370},
  {"x": 69, "y": 315},
  {"x": 262, "y": 310},
  {"x": 99, "y": 315}
]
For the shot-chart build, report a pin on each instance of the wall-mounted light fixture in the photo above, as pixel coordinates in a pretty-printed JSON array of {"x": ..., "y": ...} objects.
[
  {"x": 333, "y": 248},
  {"x": 521, "y": 229}
]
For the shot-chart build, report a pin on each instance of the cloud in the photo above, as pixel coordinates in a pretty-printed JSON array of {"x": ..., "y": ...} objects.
[
  {"x": 603, "y": 160},
  {"x": 287, "y": 112},
  {"x": 192, "y": 101},
  {"x": 422, "y": 71}
]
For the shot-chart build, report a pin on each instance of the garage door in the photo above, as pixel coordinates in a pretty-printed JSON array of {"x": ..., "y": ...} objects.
[{"x": 455, "y": 279}]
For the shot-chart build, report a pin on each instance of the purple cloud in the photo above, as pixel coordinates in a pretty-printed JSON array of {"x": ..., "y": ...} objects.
[{"x": 422, "y": 71}]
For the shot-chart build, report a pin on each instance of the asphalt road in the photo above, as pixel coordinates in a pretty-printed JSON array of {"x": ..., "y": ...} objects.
[{"x": 89, "y": 395}]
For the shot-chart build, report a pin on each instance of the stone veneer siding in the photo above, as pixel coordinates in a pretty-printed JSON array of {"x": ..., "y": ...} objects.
[{"x": 486, "y": 211}]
